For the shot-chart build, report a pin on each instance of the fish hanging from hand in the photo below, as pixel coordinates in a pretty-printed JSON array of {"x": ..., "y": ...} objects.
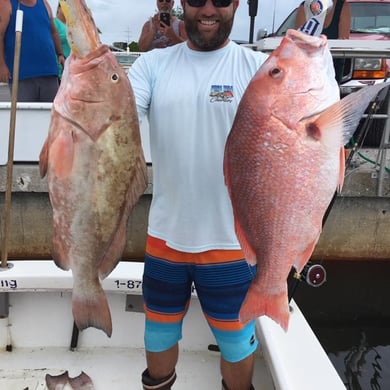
[
  {"x": 284, "y": 160},
  {"x": 94, "y": 164}
]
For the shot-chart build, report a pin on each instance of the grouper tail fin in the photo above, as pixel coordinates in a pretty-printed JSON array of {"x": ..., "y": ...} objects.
[{"x": 91, "y": 309}]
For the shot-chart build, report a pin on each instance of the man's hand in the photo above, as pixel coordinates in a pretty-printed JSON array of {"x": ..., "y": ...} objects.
[{"x": 5, "y": 74}]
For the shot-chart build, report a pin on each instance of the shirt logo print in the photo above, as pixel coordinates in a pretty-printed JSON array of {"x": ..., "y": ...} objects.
[{"x": 221, "y": 93}]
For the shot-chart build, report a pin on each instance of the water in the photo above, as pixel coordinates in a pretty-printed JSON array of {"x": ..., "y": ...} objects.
[
  {"x": 360, "y": 354},
  {"x": 350, "y": 315}
]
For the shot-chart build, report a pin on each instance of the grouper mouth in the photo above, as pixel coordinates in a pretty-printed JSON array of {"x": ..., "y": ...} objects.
[
  {"x": 82, "y": 33},
  {"x": 90, "y": 60}
]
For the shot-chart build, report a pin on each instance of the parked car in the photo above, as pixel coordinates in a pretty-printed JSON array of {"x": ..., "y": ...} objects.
[{"x": 370, "y": 19}]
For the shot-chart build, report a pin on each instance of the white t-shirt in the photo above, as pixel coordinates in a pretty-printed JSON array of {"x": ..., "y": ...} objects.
[{"x": 191, "y": 98}]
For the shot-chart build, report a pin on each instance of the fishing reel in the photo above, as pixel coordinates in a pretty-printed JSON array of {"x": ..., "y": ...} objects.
[{"x": 312, "y": 274}]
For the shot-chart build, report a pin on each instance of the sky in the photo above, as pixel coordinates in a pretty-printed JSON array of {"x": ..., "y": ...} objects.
[{"x": 122, "y": 20}]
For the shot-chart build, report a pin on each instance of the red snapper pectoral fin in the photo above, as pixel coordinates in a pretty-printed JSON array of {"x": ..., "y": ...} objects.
[
  {"x": 353, "y": 106},
  {"x": 335, "y": 126},
  {"x": 259, "y": 303},
  {"x": 326, "y": 129},
  {"x": 342, "y": 116}
]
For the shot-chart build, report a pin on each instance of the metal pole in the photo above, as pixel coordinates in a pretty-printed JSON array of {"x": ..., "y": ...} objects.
[
  {"x": 253, "y": 5},
  {"x": 251, "y": 29},
  {"x": 384, "y": 145},
  {"x": 11, "y": 141}
]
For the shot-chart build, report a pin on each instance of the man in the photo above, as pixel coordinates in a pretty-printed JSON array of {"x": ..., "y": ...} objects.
[
  {"x": 190, "y": 92},
  {"x": 60, "y": 24},
  {"x": 40, "y": 47},
  {"x": 157, "y": 34}
]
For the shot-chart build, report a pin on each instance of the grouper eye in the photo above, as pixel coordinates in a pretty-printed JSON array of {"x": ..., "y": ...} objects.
[
  {"x": 276, "y": 73},
  {"x": 115, "y": 77}
]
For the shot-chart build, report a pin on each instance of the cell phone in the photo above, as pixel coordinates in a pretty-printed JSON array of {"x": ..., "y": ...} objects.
[{"x": 165, "y": 17}]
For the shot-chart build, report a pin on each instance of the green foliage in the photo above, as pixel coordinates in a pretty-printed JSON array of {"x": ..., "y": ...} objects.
[{"x": 133, "y": 46}]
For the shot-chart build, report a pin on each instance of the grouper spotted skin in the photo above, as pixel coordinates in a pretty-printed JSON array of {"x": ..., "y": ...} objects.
[
  {"x": 94, "y": 165},
  {"x": 284, "y": 160}
]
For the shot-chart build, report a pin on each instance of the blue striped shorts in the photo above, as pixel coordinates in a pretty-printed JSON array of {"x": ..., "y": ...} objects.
[{"x": 221, "y": 286}]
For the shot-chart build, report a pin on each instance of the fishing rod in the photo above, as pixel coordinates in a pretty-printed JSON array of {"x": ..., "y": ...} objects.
[
  {"x": 315, "y": 274},
  {"x": 253, "y": 5}
]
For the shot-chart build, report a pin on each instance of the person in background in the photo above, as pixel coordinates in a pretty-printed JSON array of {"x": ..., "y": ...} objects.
[
  {"x": 40, "y": 48},
  {"x": 60, "y": 23},
  {"x": 337, "y": 25},
  {"x": 157, "y": 34},
  {"x": 190, "y": 93}
]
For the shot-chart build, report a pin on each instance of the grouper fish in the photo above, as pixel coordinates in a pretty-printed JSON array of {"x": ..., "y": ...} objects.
[
  {"x": 284, "y": 160},
  {"x": 94, "y": 164}
]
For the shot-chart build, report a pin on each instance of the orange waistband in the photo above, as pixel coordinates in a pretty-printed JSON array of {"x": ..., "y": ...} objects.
[{"x": 158, "y": 248}]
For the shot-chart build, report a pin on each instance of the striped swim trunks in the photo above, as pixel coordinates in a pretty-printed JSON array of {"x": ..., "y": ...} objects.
[{"x": 221, "y": 279}]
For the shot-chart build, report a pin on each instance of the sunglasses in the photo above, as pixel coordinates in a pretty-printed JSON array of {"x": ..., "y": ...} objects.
[
  {"x": 216, "y": 3},
  {"x": 166, "y": 1}
]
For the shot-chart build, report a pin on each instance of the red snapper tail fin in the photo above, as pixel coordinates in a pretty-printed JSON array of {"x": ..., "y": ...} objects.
[{"x": 260, "y": 304}]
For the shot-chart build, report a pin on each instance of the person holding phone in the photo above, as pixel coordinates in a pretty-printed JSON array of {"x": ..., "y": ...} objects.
[{"x": 163, "y": 29}]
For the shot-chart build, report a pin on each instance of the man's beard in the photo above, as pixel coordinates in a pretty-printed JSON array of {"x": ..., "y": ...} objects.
[{"x": 199, "y": 40}]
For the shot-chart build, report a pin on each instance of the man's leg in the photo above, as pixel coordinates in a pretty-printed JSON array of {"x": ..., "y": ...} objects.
[
  {"x": 221, "y": 288},
  {"x": 27, "y": 91},
  {"x": 48, "y": 87},
  {"x": 167, "y": 292},
  {"x": 160, "y": 374},
  {"x": 237, "y": 376},
  {"x": 162, "y": 364}
]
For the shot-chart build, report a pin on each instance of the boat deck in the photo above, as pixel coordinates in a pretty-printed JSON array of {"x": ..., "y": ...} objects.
[
  {"x": 36, "y": 325},
  {"x": 112, "y": 368},
  {"x": 39, "y": 328}
]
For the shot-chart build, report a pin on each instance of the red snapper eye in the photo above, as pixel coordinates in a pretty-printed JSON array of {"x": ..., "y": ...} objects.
[{"x": 276, "y": 73}]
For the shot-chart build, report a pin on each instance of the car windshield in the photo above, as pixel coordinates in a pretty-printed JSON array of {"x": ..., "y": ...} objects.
[{"x": 370, "y": 18}]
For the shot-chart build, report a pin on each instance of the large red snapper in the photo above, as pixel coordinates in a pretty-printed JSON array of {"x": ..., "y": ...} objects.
[
  {"x": 284, "y": 160},
  {"x": 94, "y": 164}
]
